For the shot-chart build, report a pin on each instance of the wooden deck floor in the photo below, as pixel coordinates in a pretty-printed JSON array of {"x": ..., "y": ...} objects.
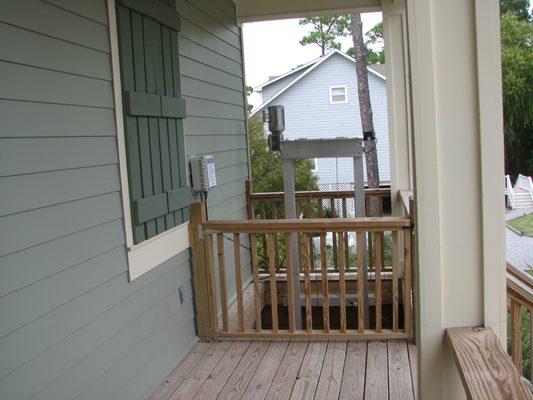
[{"x": 294, "y": 370}]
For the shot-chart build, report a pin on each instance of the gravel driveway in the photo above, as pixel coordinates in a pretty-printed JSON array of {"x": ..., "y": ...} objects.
[{"x": 519, "y": 248}]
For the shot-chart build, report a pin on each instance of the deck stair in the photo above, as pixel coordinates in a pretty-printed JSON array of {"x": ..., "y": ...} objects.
[
  {"x": 520, "y": 195},
  {"x": 522, "y": 198}
]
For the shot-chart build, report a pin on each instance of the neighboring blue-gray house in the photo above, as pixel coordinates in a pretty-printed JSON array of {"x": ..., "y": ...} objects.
[{"x": 320, "y": 100}]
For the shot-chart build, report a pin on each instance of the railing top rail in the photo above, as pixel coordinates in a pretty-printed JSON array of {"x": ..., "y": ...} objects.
[
  {"x": 320, "y": 194},
  {"x": 482, "y": 362},
  {"x": 520, "y": 286},
  {"x": 521, "y": 275},
  {"x": 309, "y": 225}
]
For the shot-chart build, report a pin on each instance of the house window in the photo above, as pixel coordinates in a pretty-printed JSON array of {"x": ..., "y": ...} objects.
[
  {"x": 338, "y": 94},
  {"x": 149, "y": 114}
]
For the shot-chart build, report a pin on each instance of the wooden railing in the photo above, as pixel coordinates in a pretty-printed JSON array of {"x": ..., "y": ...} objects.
[
  {"x": 309, "y": 204},
  {"x": 333, "y": 298},
  {"x": 520, "y": 297}
]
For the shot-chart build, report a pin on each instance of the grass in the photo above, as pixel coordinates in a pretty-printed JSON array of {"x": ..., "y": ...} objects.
[{"x": 523, "y": 224}]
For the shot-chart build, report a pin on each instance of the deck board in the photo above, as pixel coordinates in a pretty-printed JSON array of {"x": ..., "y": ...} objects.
[
  {"x": 281, "y": 387},
  {"x": 296, "y": 369},
  {"x": 237, "y": 383},
  {"x": 376, "y": 384},
  {"x": 264, "y": 374},
  {"x": 307, "y": 381},
  {"x": 353, "y": 376},
  {"x": 222, "y": 372},
  {"x": 400, "y": 384},
  {"x": 193, "y": 382},
  {"x": 329, "y": 384}
]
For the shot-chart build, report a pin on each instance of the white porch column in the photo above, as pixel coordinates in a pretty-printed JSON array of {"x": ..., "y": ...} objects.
[
  {"x": 458, "y": 162},
  {"x": 398, "y": 102}
]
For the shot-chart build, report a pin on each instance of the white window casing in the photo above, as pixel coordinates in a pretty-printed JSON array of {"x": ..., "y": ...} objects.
[
  {"x": 338, "y": 94},
  {"x": 150, "y": 253}
]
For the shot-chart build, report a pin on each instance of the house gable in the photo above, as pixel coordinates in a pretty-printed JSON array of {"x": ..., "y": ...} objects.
[
  {"x": 309, "y": 113},
  {"x": 289, "y": 82}
]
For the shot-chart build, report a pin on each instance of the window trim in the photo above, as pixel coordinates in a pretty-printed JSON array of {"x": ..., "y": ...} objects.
[
  {"x": 345, "y": 87},
  {"x": 150, "y": 253}
]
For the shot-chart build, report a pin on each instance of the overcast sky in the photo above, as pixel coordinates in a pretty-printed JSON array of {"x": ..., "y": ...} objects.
[{"x": 273, "y": 48}]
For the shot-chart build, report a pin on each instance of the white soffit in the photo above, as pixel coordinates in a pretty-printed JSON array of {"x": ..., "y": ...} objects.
[{"x": 261, "y": 10}]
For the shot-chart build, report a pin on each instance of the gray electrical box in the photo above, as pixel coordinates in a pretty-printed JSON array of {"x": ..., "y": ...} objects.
[{"x": 203, "y": 173}]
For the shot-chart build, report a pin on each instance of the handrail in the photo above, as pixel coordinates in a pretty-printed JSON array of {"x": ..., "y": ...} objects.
[
  {"x": 372, "y": 224},
  {"x": 525, "y": 182},
  {"x": 509, "y": 191},
  {"x": 311, "y": 203},
  {"x": 320, "y": 194},
  {"x": 520, "y": 294}
]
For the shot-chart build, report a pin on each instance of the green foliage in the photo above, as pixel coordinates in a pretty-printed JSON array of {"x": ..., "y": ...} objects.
[
  {"x": 375, "y": 38},
  {"x": 519, "y": 8},
  {"x": 517, "y": 80},
  {"x": 267, "y": 168},
  {"x": 325, "y": 31},
  {"x": 526, "y": 339}
]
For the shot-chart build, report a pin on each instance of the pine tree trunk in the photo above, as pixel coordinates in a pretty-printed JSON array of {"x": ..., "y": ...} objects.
[{"x": 365, "y": 109}]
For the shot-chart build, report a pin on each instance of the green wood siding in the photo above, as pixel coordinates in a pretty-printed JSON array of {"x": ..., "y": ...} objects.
[{"x": 73, "y": 326}]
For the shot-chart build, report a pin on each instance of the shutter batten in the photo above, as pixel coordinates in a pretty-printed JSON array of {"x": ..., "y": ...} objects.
[{"x": 153, "y": 105}]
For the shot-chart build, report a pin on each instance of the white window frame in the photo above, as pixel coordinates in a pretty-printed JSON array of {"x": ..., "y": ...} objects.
[
  {"x": 345, "y": 87},
  {"x": 150, "y": 253}
]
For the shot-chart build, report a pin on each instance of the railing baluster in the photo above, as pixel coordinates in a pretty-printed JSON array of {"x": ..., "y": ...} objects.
[
  {"x": 238, "y": 279},
  {"x": 273, "y": 290},
  {"x": 395, "y": 267},
  {"x": 516, "y": 337},
  {"x": 360, "y": 237},
  {"x": 250, "y": 204},
  {"x": 263, "y": 236},
  {"x": 309, "y": 206},
  {"x": 290, "y": 294},
  {"x": 211, "y": 283},
  {"x": 407, "y": 282},
  {"x": 307, "y": 284},
  {"x": 276, "y": 243},
  {"x": 311, "y": 247},
  {"x": 334, "y": 237},
  {"x": 222, "y": 278},
  {"x": 346, "y": 248},
  {"x": 379, "y": 260},
  {"x": 325, "y": 289},
  {"x": 255, "y": 271},
  {"x": 320, "y": 208},
  {"x": 342, "y": 283}
]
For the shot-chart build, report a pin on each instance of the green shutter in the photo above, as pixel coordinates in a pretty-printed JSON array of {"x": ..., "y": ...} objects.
[{"x": 153, "y": 115}]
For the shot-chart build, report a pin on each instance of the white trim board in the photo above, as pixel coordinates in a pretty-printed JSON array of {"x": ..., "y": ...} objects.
[
  {"x": 345, "y": 87},
  {"x": 147, "y": 255},
  {"x": 150, "y": 253}
]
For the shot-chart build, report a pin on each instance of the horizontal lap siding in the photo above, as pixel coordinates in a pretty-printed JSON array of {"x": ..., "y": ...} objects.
[
  {"x": 73, "y": 326},
  {"x": 212, "y": 84}
]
